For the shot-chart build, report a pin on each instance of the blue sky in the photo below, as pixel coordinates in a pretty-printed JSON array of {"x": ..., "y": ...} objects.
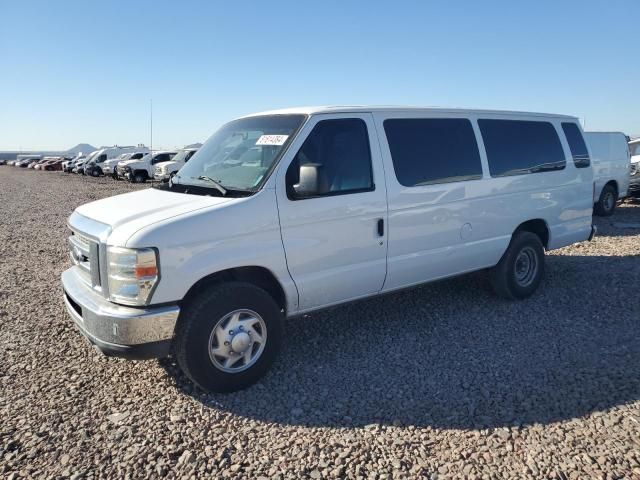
[{"x": 84, "y": 71}]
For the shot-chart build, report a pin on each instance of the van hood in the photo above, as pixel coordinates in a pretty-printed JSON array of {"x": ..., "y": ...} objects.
[
  {"x": 635, "y": 159},
  {"x": 145, "y": 207}
]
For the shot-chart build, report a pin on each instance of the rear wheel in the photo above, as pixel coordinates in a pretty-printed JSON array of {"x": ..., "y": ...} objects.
[
  {"x": 606, "y": 204},
  {"x": 228, "y": 336},
  {"x": 521, "y": 268}
]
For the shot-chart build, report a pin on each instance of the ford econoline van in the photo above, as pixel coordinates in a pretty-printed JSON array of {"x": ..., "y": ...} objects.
[
  {"x": 291, "y": 211},
  {"x": 609, "y": 153}
]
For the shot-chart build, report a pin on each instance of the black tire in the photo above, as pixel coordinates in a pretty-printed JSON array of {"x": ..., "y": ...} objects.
[
  {"x": 508, "y": 277},
  {"x": 138, "y": 177},
  {"x": 96, "y": 172},
  {"x": 606, "y": 204},
  {"x": 198, "y": 319}
]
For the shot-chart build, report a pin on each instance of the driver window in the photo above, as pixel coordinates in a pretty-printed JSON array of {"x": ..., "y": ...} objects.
[{"x": 341, "y": 150}]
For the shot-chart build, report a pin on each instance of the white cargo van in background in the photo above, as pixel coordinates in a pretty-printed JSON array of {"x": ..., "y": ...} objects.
[
  {"x": 634, "y": 170},
  {"x": 610, "y": 159}
]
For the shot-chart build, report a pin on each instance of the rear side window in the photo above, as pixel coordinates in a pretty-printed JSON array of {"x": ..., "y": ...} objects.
[
  {"x": 577, "y": 146},
  {"x": 427, "y": 151},
  {"x": 516, "y": 147}
]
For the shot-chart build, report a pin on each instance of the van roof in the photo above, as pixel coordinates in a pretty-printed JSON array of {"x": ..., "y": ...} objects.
[{"x": 397, "y": 108}]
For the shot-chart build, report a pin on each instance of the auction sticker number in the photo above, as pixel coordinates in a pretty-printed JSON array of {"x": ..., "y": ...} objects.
[{"x": 272, "y": 140}]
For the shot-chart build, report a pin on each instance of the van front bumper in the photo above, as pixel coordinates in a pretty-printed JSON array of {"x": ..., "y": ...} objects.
[{"x": 134, "y": 333}]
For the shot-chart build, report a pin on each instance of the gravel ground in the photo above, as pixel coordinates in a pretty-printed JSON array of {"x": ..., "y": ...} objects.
[{"x": 442, "y": 381}]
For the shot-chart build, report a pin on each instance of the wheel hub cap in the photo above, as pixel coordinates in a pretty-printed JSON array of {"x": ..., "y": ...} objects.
[
  {"x": 240, "y": 342},
  {"x": 237, "y": 341}
]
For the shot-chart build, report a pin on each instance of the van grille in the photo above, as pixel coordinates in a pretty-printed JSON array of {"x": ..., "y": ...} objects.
[{"x": 84, "y": 253}]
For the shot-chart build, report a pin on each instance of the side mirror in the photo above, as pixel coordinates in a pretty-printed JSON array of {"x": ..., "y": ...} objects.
[{"x": 308, "y": 184}]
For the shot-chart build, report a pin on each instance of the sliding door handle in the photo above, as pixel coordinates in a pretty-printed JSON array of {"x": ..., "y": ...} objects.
[{"x": 381, "y": 227}]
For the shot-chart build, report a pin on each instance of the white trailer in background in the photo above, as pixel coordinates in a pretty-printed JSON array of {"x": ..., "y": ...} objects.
[{"x": 609, "y": 153}]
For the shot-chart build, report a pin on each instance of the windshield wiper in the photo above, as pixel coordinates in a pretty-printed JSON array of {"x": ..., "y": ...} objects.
[{"x": 217, "y": 186}]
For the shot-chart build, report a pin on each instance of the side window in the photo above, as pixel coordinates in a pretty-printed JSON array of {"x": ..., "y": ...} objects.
[
  {"x": 102, "y": 158},
  {"x": 577, "y": 146},
  {"x": 427, "y": 151},
  {"x": 516, "y": 147},
  {"x": 163, "y": 157},
  {"x": 189, "y": 155},
  {"x": 340, "y": 150}
]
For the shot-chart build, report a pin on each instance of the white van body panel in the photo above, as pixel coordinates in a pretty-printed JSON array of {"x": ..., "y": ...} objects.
[
  {"x": 219, "y": 238},
  {"x": 326, "y": 250},
  {"x": 441, "y": 230},
  {"x": 334, "y": 253},
  {"x": 609, "y": 154}
]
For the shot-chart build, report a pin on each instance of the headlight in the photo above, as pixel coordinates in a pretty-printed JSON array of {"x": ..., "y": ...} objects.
[{"x": 133, "y": 274}]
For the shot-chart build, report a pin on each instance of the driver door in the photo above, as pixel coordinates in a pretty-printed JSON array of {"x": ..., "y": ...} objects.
[{"x": 335, "y": 240}]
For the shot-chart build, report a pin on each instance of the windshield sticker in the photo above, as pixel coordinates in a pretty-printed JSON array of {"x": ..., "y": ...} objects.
[{"x": 272, "y": 140}]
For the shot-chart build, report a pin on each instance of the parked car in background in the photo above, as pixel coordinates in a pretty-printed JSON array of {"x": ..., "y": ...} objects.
[
  {"x": 634, "y": 168},
  {"x": 33, "y": 165},
  {"x": 53, "y": 165},
  {"x": 45, "y": 161},
  {"x": 25, "y": 159},
  {"x": 78, "y": 166},
  {"x": 68, "y": 165},
  {"x": 609, "y": 153},
  {"x": 291, "y": 211},
  {"x": 110, "y": 166},
  {"x": 165, "y": 170},
  {"x": 141, "y": 170},
  {"x": 95, "y": 167},
  {"x": 26, "y": 163},
  {"x": 3, "y": 162}
]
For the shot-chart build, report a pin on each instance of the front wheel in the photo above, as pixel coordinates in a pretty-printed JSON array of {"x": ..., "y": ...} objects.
[
  {"x": 521, "y": 268},
  {"x": 228, "y": 336}
]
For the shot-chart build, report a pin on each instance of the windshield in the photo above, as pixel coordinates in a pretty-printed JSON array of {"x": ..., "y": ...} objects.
[
  {"x": 181, "y": 155},
  {"x": 241, "y": 154}
]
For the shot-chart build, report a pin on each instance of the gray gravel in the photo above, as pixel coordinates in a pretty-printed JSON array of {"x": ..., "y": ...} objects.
[{"x": 440, "y": 381}]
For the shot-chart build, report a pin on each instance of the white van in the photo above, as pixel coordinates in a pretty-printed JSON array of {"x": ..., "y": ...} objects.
[
  {"x": 291, "y": 211},
  {"x": 609, "y": 155},
  {"x": 110, "y": 153},
  {"x": 634, "y": 171}
]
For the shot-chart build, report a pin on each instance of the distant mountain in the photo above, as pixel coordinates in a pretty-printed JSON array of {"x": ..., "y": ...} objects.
[
  {"x": 193, "y": 145},
  {"x": 82, "y": 147}
]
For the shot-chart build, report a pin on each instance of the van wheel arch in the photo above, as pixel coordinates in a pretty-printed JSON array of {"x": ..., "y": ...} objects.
[
  {"x": 537, "y": 226},
  {"x": 259, "y": 276}
]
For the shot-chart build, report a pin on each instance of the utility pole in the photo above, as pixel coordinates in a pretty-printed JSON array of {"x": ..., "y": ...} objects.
[{"x": 151, "y": 123}]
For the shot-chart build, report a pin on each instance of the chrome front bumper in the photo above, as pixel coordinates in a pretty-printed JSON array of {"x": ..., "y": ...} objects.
[{"x": 136, "y": 333}]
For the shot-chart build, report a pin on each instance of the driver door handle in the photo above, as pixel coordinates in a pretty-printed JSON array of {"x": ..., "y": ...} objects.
[{"x": 381, "y": 227}]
